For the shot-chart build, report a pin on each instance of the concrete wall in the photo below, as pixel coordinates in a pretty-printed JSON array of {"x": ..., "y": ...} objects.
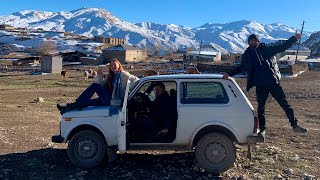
[
  {"x": 51, "y": 64},
  {"x": 134, "y": 55},
  {"x": 218, "y": 56},
  {"x": 124, "y": 56}
]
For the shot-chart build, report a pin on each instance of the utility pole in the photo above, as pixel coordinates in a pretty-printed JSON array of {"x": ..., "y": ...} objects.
[
  {"x": 299, "y": 40},
  {"x": 199, "y": 52}
]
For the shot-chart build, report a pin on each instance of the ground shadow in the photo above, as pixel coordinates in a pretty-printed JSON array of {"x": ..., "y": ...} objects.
[{"x": 54, "y": 164}]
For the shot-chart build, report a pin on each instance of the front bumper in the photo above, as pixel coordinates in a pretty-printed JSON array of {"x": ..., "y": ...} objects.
[{"x": 57, "y": 139}]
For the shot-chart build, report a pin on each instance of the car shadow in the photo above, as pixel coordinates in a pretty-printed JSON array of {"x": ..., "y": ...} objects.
[{"x": 52, "y": 163}]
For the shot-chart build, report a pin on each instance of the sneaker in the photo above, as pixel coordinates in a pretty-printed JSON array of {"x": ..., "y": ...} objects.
[
  {"x": 61, "y": 109},
  {"x": 262, "y": 132},
  {"x": 299, "y": 129}
]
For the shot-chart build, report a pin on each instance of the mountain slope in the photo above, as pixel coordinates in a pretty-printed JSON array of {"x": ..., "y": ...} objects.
[
  {"x": 313, "y": 43},
  {"x": 229, "y": 37}
]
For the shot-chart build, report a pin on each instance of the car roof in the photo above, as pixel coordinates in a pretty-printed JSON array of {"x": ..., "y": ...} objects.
[{"x": 184, "y": 76}]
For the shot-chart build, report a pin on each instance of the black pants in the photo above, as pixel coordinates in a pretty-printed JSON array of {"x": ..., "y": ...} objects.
[{"x": 277, "y": 92}]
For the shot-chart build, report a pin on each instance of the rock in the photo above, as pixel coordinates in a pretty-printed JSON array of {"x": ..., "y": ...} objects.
[
  {"x": 196, "y": 169},
  {"x": 278, "y": 176},
  {"x": 288, "y": 171},
  {"x": 271, "y": 150},
  {"x": 308, "y": 177},
  {"x": 202, "y": 170},
  {"x": 187, "y": 176},
  {"x": 234, "y": 178},
  {"x": 81, "y": 173},
  {"x": 295, "y": 158},
  {"x": 39, "y": 100}
]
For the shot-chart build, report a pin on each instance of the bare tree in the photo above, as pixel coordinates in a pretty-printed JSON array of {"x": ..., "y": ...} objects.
[{"x": 47, "y": 48}]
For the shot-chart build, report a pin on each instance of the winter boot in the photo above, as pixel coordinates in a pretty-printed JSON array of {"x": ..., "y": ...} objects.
[{"x": 299, "y": 129}]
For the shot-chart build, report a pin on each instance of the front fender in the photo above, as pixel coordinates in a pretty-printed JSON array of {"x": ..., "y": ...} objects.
[
  {"x": 84, "y": 125},
  {"x": 212, "y": 124}
]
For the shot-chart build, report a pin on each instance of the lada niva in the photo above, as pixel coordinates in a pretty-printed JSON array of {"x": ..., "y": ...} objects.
[{"x": 207, "y": 114}]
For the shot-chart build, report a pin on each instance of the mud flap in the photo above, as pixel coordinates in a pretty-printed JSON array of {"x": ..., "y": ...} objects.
[
  {"x": 249, "y": 152},
  {"x": 253, "y": 139},
  {"x": 112, "y": 154}
]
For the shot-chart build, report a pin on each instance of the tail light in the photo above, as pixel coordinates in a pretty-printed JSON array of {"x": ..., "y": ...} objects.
[{"x": 256, "y": 124}]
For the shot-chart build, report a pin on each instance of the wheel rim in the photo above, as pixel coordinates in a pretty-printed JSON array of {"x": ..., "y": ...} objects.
[
  {"x": 87, "y": 149},
  {"x": 215, "y": 152}
]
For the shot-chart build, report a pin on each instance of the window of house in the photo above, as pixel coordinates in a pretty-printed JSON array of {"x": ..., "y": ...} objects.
[{"x": 203, "y": 93}]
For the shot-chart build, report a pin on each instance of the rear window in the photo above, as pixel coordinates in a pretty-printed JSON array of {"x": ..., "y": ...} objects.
[{"x": 203, "y": 93}]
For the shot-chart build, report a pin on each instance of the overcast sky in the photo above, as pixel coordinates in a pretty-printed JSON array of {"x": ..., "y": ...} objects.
[{"x": 187, "y": 12}]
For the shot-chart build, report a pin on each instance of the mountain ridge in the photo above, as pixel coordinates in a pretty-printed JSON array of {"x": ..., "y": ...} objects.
[{"x": 227, "y": 37}]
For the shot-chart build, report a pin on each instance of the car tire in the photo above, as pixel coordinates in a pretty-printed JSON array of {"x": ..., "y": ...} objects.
[
  {"x": 86, "y": 149},
  {"x": 215, "y": 153}
]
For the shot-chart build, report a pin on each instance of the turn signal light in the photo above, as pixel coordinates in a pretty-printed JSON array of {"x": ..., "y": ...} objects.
[{"x": 67, "y": 119}]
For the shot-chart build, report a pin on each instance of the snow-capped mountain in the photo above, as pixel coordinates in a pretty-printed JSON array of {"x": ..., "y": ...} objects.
[
  {"x": 229, "y": 37},
  {"x": 313, "y": 43}
]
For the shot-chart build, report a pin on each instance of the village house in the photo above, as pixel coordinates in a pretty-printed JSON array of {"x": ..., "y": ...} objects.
[
  {"x": 289, "y": 56},
  {"x": 206, "y": 54},
  {"x": 6, "y": 27},
  {"x": 124, "y": 53},
  {"x": 109, "y": 42}
]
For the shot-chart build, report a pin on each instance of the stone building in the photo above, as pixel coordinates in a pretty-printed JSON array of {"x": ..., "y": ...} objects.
[
  {"x": 109, "y": 42},
  {"x": 6, "y": 27},
  {"x": 124, "y": 53}
]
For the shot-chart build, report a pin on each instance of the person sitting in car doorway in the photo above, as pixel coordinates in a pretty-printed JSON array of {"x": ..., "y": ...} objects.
[
  {"x": 160, "y": 110},
  {"x": 158, "y": 125}
]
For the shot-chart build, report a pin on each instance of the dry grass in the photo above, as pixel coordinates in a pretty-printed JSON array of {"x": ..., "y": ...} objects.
[{"x": 26, "y": 128}]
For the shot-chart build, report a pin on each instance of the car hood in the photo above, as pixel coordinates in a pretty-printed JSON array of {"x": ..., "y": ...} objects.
[{"x": 100, "y": 111}]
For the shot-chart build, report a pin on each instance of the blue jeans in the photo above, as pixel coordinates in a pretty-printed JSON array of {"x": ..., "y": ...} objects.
[
  {"x": 104, "y": 96},
  {"x": 277, "y": 92}
]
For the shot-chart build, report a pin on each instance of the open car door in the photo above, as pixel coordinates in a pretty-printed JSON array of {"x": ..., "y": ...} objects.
[{"x": 122, "y": 121}]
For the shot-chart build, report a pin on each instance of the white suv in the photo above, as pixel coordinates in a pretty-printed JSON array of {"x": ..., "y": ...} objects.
[{"x": 208, "y": 113}]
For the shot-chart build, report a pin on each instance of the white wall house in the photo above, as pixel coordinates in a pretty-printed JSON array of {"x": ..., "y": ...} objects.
[
  {"x": 207, "y": 53},
  {"x": 290, "y": 54}
]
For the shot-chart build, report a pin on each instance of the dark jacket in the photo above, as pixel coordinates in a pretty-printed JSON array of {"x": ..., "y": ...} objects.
[
  {"x": 160, "y": 110},
  {"x": 252, "y": 58}
]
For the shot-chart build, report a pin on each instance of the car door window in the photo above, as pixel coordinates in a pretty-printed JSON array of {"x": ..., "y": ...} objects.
[{"x": 203, "y": 93}]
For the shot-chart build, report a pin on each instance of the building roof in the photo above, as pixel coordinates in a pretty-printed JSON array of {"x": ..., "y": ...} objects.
[
  {"x": 124, "y": 47},
  {"x": 207, "y": 53}
]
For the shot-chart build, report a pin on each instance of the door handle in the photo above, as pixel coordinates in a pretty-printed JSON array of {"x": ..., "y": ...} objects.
[{"x": 122, "y": 123}]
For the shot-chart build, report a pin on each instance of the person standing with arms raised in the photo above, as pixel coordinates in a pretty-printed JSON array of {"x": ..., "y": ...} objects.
[{"x": 260, "y": 65}]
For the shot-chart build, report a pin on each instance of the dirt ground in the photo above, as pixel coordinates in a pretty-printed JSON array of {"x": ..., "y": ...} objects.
[{"x": 26, "y": 127}]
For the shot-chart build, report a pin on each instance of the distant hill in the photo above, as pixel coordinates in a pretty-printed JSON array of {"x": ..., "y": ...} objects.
[
  {"x": 313, "y": 43},
  {"x": 228, "y": 37}
]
